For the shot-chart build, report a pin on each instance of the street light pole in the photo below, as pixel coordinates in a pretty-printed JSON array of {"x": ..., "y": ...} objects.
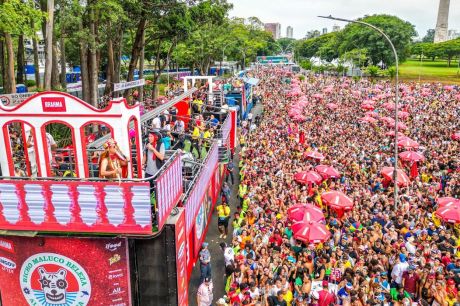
[{"x": 395, "y": 174}]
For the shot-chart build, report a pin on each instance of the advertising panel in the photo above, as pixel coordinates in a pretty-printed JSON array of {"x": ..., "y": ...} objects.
[
  {"x": 195, "y": 198},
  {"x": 168, "y": 190},
  {"x": 181, "y": 260},
  {"x": 51, "y": 271}
]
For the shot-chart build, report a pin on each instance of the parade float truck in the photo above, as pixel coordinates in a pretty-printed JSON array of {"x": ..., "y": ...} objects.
[{"x": 68, "y": 237}]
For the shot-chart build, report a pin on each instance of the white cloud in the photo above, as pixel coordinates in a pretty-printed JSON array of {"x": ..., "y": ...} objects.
[{"x": 302, "y": 14}]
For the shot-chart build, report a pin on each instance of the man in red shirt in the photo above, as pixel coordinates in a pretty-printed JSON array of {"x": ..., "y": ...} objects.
[
  {"x": 325, "y": 297},
  {"x": 410, "y": 282},
  {"x": 276, "y": 238}
]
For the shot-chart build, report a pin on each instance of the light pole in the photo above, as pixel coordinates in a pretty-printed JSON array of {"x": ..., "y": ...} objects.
[{"x": 395, "y": 174}]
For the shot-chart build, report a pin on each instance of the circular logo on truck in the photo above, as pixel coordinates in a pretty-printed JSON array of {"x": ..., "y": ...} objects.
[{"x": 50, "y": 279}]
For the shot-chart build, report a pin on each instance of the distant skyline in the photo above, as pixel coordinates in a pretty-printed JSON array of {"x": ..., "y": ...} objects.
[{"x": 302, "y": 14}]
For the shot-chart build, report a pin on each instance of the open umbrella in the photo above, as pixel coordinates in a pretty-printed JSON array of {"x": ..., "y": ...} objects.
[
  {"x": 388, "y": 120},
  {"x": 314, "y": 155},
  {"x": 332, "y": 106},
  {"x": 372, "y": 114},
  {"x": 455, "y": 136},
  {"x": 403, "y": 179},
  {"x": 411, "y": 156},
  {"x": 367, "y": 106},
  {"x": 449, "y": 214},
  {"x": 337, "y": 200},
  {"x": 327, "y": 171},
  {"x": 308, "y": 212},
  {"x": 392, "y": 133},
  {"x": 368, "y": 119},
  {"x": 308, "y": 177},
  {"x": 407, "y": 143},
  {"x": 310, "y": 232},
  {"x": 447, "y": 201},
  {"x": 402, "y": 126}
]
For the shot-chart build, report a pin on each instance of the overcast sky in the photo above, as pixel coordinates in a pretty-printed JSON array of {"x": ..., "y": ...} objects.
[{"x": 302, "y": 14}]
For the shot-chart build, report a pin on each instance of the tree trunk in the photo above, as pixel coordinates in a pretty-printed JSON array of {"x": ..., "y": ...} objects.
[
  {"x": 63, "y": 80},
  {"x": 118, "y": 51},
  {"x": 84, "y": 70},
  {"x": 20, "y": 60},
  {"x": 49, "y": 44},
  {"x": 135, "y": 52},
  {"x": 141, "y": 68},
  {"x": 93, "y": 63},
  {"x": 10, "y": 77},
  {"x": 110, "y": 66},
  {"x": 2, "y": 64},
  {"x": 55, "y": 71},
  {"x": 36, "y": 64}
]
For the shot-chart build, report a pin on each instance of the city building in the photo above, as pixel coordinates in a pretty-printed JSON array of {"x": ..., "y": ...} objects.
[
  {"x": 289, "y": 32},
  {"x": 335, "y": 28},
  {"x": 324, "y": 31},
  {"x": 274, "y": 28}
]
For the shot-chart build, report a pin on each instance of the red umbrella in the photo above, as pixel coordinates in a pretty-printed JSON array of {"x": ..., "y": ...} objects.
[
  {"x": 408, "y": 143},
  {"x": 403, "y": 179},
  {"x": 337, "y": 199},
  {"x": 310, "y": 232},
  {"x": 389, "y": 105},
  {"x": 307, "y": 212},
  {"x": 308, "y": 177},
  {"x": 387, "y": 120},
  {"x": 449, "y": 214},
  {"x": 327, "y": 171},
  {"x": 368, "y": 119},
  {"x": 367, "y": 106},
  {"x": 411, "y": 156},
  {"x": 314, "y": 155},
  {"x": 372, "y": 114},
  {"x": 403, "y": 114},
  {"x": 455, "y": 136},
  {"x": 332, "y": 106},
  {"x": 447, "y": 201}
]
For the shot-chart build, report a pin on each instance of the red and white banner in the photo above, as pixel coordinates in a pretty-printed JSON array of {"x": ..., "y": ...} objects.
[
  {"x": 168, "y": 190},
  {"x": 65, "y": 271},
  {"x": 181, "y": 260},
  {"x": 226, "y": 128},
  {"x": 194, "y": 200},
  {"x": 75, "y": 207}
]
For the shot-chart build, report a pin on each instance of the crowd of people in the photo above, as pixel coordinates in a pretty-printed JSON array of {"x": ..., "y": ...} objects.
[{"x": 378, "y": 253}]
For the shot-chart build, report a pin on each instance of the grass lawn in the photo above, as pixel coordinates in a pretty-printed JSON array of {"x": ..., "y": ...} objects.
[{"x": 429, "y": 71}]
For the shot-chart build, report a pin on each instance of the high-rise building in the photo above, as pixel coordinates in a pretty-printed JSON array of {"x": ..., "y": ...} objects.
[
  {"x": 274, "y": 28},
  {"x": 442, "y": 23},
  {"x": 335, "y": 28},
  {"x": 289, "y": 32},
  {"x": 453, "y": 34},
  {"x": 324, "y": 31}
]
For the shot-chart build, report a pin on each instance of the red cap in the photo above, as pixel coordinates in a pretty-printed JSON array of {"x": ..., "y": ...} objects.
[
  {"x": 325, "y": 283},
  {"x": 450, "y": 281}
]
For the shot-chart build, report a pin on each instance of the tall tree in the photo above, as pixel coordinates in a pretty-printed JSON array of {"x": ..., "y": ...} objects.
[
  {"x": 49, "y": 43},
  {"x": 20, "y": 60},
  {"x": 429, "y": 37}
]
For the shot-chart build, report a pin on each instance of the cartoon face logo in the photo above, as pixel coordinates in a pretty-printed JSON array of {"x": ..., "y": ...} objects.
[
  {"x": 54, "y": 285},
  {"x": 49, "y": 279}
]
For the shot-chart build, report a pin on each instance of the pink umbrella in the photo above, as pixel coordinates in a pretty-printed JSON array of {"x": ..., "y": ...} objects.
[
  {"x": 449, "y": 214},
  {"x": 407, "y": 143},
  {"x": 403, "y": 179},
  {"x": 447, "y": 201},
  {"x": 318, "y": 96},
  {"x": 368, "y": 119},
  {"x": 310, "y": 232},
  {"x": 337, "y": 200},
  {"x": 314, "y": 154},
  {"x": 372, "y": 114},
  {"x": 308, "y": 177},
  {"x": 402, "y": 126},
  {"x": 307, "y": 212},
  {"x": 389, "y": 105},
  {"x": 387, "y": 120},
  {"x": 392, "y": 133},
  {"x": 332, "y": 106},
  {"x": 455, "y": 136},
  {"x": 327, "y": 171},
  {"x": 411, "y": 156},
  {"x": 403, "y": 115}
]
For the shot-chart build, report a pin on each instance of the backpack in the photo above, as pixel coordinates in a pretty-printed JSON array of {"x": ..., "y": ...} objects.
[{"x": 158, "y": 162}]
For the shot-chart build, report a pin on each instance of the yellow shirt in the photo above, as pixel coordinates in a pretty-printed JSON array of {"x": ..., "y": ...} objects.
[
  {"x": 223, "y": 211},
  {"x": 196, "y": 133},
  {"x": 288, "y": 297}
]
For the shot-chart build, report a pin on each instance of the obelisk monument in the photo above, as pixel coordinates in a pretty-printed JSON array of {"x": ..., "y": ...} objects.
[{"x": 440, "y": 33}]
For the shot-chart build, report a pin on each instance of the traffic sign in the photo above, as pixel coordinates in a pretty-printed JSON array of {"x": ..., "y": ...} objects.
[{"x": 16, "y": 98}]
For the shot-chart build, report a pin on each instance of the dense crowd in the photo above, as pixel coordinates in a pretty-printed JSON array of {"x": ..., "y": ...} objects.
[{"x": 378, "y": 253}]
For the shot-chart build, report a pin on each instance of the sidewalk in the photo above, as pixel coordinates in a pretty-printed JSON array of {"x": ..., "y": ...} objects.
[{"x": 212, "y": 237}]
